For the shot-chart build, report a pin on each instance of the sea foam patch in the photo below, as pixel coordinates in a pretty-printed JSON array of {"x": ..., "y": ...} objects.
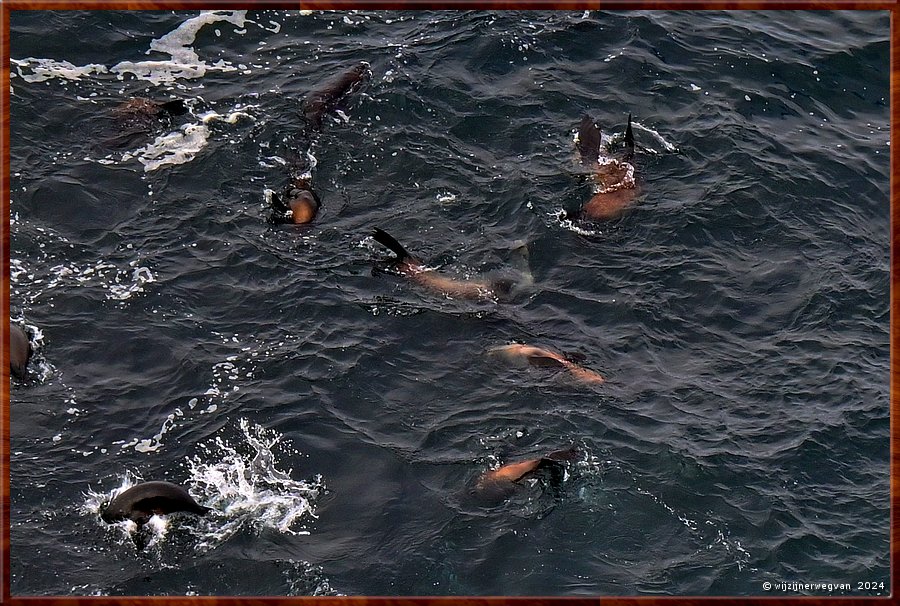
[
  {"x": 184, "y": 62},
  {"x": 32, "y": 69},
  {"x": 178, "y": 147}
]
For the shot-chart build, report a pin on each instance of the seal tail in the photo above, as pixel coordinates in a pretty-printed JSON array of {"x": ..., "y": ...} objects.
[
  {"x": 387, "y": 240},
  {"x": 629, "y": 140},
  {"x": 588, "y": 140}
]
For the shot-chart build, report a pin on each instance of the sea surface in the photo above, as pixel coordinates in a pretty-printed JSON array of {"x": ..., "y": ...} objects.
[{"x": 337, "y": 416}]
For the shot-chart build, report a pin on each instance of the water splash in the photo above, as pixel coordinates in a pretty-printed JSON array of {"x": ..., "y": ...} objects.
[
  {"x": 304, "y": 579},
  {"x": 666, "y": 145},
  {"x": 242, "y": 482}
]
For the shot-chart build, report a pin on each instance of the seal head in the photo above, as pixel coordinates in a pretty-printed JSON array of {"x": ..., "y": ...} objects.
[{"x": 297, "y": 204}]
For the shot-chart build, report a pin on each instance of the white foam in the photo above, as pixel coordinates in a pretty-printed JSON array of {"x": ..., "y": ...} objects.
[
  {"x": 47, "y": 69},
  {"x": 574, "y": 226},
  {"x": 155, "y": 443},
  {"x": 122, "y": 291},
  {"x": 122, "y": 284},
  {"x": 174, "y": 148},
  {"x": 246, "y": 486},
  {"x": 231, "y": 118},
  {"x": 184, "y": 62}
]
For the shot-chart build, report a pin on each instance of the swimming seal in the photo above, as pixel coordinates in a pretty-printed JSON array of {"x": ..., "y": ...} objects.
[
  {"x": 616, "y": 187},
  {"x": 142, "y": 501},
  {"x": 415, "y": 270},
  {"x": 19, "y": 351},
  {"x": 140, "y": 110},
  {"x": 545, "y": 358},
  {"x": 327, "y": 96},
  {"x": 498, "y": 484},
  {"x": 139, "y": 116},
  {"x": 297, "y": 203}
]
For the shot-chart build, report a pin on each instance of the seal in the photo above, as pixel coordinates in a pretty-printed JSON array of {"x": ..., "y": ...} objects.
[
  {"x": 498, "y": 484},
  {"x": 139, "y": 116},
  {"x": 141, "y": 110},
  {"x": 297, "y": 203},
  {"x": 412, "y": 268},
  {"x": 616, "y": 187},
  {"x": 142, "y": 501},
  {"x": 19, "y": 351},
  {"x": 545, "y": 358},
  {"x": 327, "y": 96}
]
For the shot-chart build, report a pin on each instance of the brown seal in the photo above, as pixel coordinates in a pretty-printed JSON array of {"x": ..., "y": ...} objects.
[
  {"x": 136, "y": 118},
  {"x": 500, "y": 483},
  {"x": 616, "y": 187},
  {"x": 297, "y": 202},
  {"x": 415, "y": 270},
  {"x": 545, "y": 358},
  {"x": 327, "y": 96}
]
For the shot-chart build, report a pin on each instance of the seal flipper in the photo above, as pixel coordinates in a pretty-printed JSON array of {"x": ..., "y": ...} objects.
[
  {"x": 140, "y": 517},
  {"x": 387, "y": 240},
  {"x": 567, "y": 454},
  {"x": 520, "y": 261},
  {"x": 144, "y": 509},
  {"x": 555, "y": 463},
  {"x": 588, "y": 140},
  {"x": 281, "y": 212},
  {"x": 629, "y": 140}
]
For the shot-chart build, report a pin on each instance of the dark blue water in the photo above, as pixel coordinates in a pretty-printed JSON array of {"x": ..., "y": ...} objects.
[{"x": 335, "y": 417}]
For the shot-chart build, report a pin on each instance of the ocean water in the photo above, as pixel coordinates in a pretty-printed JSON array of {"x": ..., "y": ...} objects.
[{"x": 336, "y": 415}]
